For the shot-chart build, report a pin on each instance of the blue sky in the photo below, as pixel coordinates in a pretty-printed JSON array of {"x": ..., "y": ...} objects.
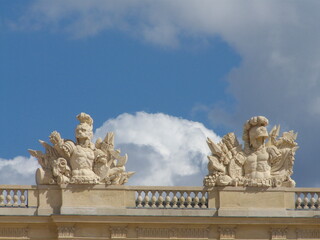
[
  {"x": 47, "y": 77},
  {"x": 215, "y": 63}
]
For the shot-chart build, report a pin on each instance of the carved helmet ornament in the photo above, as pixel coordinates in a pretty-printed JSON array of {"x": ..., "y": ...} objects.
[
  {"x": 259, "y": 163},
  {"x": 82, "y": 161}
]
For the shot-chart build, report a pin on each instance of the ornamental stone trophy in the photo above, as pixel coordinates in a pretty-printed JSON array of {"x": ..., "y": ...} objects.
[
  {"x": 82, "y": 161},
  {"x": 258, "y": 163}
]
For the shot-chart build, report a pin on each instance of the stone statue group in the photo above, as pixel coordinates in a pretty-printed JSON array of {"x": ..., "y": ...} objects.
[
  {"x": 82, "y": 161},
  {"x": 260, "y": 162}
]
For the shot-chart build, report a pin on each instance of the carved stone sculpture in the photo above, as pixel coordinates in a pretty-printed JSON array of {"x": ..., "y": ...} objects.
[
  {"x": 82, "y": 161},
  {"x": 258, "y": 163}
]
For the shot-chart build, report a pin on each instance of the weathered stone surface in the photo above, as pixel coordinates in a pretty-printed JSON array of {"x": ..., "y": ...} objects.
[
  {"x": 258, "y": 163},
  {"x": 78, "y": 211},
  {"x": 82, "y": 161}
]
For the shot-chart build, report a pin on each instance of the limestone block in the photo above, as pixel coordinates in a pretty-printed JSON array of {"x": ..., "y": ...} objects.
[
  {"x": 255, "y": 202},
  {"x": 49, "y": 200},
  {"x": 99, "y": 200}
]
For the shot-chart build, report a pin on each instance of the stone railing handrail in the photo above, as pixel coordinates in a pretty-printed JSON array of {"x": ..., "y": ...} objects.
[
  {"x": 168, "y": 188},
  {"x": 14, "y": 187},
  {"x": 180, "y": 188},
  {"x": 300, "y": 189}
]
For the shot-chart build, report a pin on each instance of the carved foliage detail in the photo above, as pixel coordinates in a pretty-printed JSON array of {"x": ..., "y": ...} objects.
[
  {"x": 279, "y": 233},
  {"x": 66, "y": 231},
  {"x": 227, "y": 233},
  {"x": 118, "y": 232}
]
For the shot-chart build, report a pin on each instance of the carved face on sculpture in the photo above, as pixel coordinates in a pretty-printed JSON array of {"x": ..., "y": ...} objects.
[
  {"x": 257, "y": 133},
  {"x": 84, "y": 131}
]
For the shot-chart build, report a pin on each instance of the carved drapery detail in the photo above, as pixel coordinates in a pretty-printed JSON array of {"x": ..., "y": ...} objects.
[
  {"x": 14, "y": 232},
  {"x": 166, "y": 233},
  {"x": 279, "y": 233},
  {"x": 82, "y": 161},
  {"x": 258, "y": 163}
]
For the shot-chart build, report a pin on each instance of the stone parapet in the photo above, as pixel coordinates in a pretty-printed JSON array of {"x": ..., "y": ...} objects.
[
  {"x": 254, "y": 201},
  {"x": 151, "y": 212},
  {"x": 45, "y": 200}
]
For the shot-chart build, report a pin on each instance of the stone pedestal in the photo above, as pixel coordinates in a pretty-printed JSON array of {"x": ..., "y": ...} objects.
[
  {"x": 84, "y": 200},
  {"x": 253, "y": 201}
]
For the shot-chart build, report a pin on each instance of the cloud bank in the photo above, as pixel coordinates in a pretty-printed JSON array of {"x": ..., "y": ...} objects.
[
  {"x": 279, "y": 42},
  {"x": 19, "y": 170},
  {"x": 162, "y": 149}
]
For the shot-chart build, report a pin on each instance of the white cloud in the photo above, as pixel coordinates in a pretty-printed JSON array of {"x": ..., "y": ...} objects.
[
  {"x": 19, "y": 170},
  {"x": 162, "y": 149}
]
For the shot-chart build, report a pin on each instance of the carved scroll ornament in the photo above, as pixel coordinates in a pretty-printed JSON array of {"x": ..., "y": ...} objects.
[
  {"x": 258, "y": 163},
  {"x": 82, "y": 161}
]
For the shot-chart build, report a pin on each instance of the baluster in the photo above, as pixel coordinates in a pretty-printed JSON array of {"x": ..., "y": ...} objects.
[
  {"x": 160, "y": 200},
  {"x": 174, "y": 201},
  {"x": 203, "y": 201},
  {"x": 23, "y": 198},
  {"x": 139, "y": 200},
  {"x": 2, "y": 197},
  {"x": 153, "y": 199},
  {"x": 182, "y": 201},
  {"x": 168, "y": 200},
  {"x": 8, "y": 198},
  {"x": 299, "y": 201},
  {"x": 306, "y": 201},
  {"x": 312, "y": 201},
  {"x": 196, "y": 202},
  {"x": 15, "y": 198},
  {"x": 146, "y": 200},
  {"x": 189, "y": 200}
]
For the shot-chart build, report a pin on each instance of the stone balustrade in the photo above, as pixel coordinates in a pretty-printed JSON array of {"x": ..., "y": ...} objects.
[
  {"x": 308, "y": 199},
  {"x": 53, "y": 199},
  {"x": 14, "y": 196},
  {"x": 18, "y": 199},
  {"x": 171, "y": 197}
]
